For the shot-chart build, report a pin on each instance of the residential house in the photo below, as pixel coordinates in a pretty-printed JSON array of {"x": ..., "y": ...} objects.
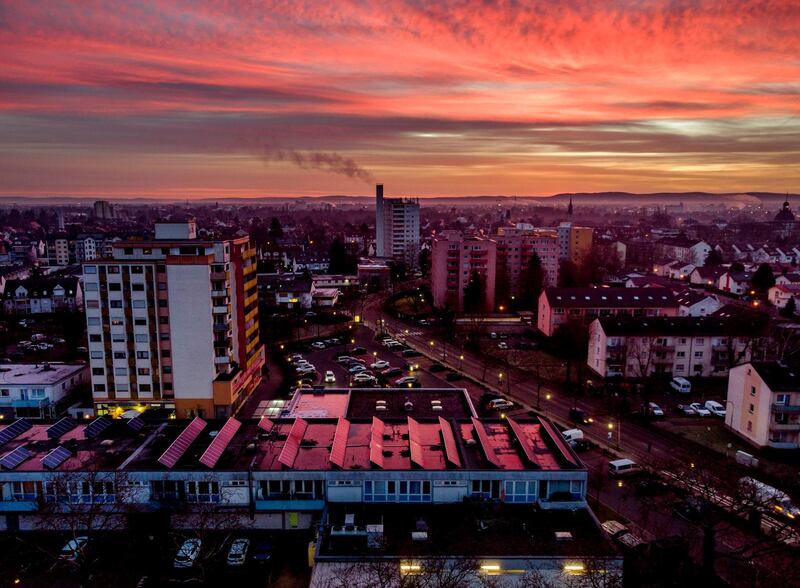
[
  {"x": 42, "y": 295},
  {"x": 696, "y": 303}
]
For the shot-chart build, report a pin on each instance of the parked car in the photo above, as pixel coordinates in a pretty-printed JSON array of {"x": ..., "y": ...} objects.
[
  {"x": 318, "y": 345},
  {"x": 654, "y": 410},
  {"x": 715, "y": 408},
  {"x": 74, "y": 549},
  {"x": 388, "y": 342},
  {"x": 502, "y": 345},
  {"x": 623, "y": 467},
  {"x": 262, "y": 552},
  {"x": 493, "y": 335},
  {"x": 681, "y": 385},
  {"x": 237, "y": 554},
  {"x": 358, "y": 351},
  {"x": 329, "y": 377},
  {"x": 572, "y": 435},
  {"x": 685, "y": 410},
  {"x": 700, "y": 409},
  {"x": 392, "y": 371},
  {"x": 453, "y": 377},
  {"x": 580, "y": 416},
  {"x": 357, "y": 368},
  {"x": 188, "y": 553},
  {"x": 500, "y": 404},
  {"x": 344, "y": 359},
  {"x": 379, "y": 364},
  {"x": 437, "y": 367},
  {"x": 407, "y": 382}
]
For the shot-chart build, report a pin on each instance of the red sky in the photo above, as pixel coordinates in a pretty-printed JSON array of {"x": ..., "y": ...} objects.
[{"x": 205, "y": 98}]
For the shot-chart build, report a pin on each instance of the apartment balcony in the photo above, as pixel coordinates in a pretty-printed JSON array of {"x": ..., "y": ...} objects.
[
  {"x": 790, "y": 408},
  {"x": 219, "y": 276},
  {"x": 223, "y": 328},
  {"x": 222, "y": 360},
  {"x": 784, "y": 426},
  {"x": 223, "y": 309},
  {"x": 220, "y": 293}
]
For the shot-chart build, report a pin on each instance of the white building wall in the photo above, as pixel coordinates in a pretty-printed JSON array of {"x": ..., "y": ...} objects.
[{"x": 191, "y": 329}]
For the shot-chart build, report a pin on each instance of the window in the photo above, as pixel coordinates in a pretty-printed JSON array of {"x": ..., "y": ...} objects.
[
  {"x": 24, "y": 490},
  {"x": 139, "y": 304},
  {"x": 143, "y": 371},
  {"x": 145, "y": 388},
  {"x": 96, "y": 354},
  {"x": 120, "y": 355},
  {"x": 99, "y": 387},
  {"x": 750, "y": 426},
  {"x": 137, "y": 287},
  {"x": 520, "y": 491},
  {"x": 120, "y": 371},
  {"x": 113, "y": 269},
  {"x": 115, "y": 303},
  {"x": 5, "y": 392},
  {"x": 98, "y": 371},
  {"x": 752, "y": 390},
  {"x": 142, "y": 338},
  {"x": 782, "y": 399},
  {"x": 90, "y": 269},
  {"x": 140, "y": 322},
  {"x": 681, "y": 354},
  {"x": 751, "y": 408},
  {"x": 202, "y": 491},
  {"x": 142, "y": 355},
  {"x": 165, "y": 490},
  {"x": 117, "y": 322},
  {"x": 91, "y": 286},
  {"x": 92, "y": 304},
  {"x": 114, "y": 287},
  {"x": 95, "y": 338},
  {"x": 93, "y": 321},
  {"x": 162, "y": 303},
  {"x": 698, "y": 354},
  {"x": 163, "y": 320},
  {"x": 700, "y": 341},
  {"x": 137, "y": 269}
]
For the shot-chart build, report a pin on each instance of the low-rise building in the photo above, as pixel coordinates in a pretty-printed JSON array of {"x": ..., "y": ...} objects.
[
  {"x": 780, "y": 294},
  {"x": 38, "y": 390},
  {"x": 735, "y": 282},
  {"x": 763, "y": 404},
  {"x": 696, "y": 303},
  {"x": 680, "y": 346},
  {"x": 560, "y": 305},
  {"x": 42, "y": 295}
]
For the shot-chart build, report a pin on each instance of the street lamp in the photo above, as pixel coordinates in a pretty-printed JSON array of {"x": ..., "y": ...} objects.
[{"x": 460, "y": 361}]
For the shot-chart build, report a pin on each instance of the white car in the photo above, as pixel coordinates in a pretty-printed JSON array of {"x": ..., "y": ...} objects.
[
  {"x": 74, "y": 548},
  {"x": 237, "y": 554},
  {"x": 187, "y": 553},
  {"x": 500, "y": 404},
  {"x": 715, "y": 408},
  {"x": 379, "y": 365},
  {"x": 363, "y": 376},
  {"x": 318, "y": 345},
  {"x": 502, "y": 345},
  {"x": 390, "y": 342},
  {"x": 654, "y": 409},
  {"x": 329, "y": 377},
  {"x": 357, "y": 368},
  {"x": 700, "y": 409},
  {"x": 344, "y": 359}
]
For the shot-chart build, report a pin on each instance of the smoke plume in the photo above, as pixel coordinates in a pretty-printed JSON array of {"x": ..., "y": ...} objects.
[{"x": 328, "y": 162}]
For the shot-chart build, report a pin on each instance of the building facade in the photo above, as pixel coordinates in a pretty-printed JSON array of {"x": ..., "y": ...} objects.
[
  {"x": 173, "y": 322},
  {"x": 574, "y": 243},
  {"x": 397, "y": 227},
  {"x": 38, "y": 391},
  {"x": 515, "y": 247},
  {"x": 454, "y": 261},
  {"x": 42, "y": 295},
  {"x": 763, "y": 404}
]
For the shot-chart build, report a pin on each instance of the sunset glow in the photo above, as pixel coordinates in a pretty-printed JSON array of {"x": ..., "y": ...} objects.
[{"x": 205, "y": 99}]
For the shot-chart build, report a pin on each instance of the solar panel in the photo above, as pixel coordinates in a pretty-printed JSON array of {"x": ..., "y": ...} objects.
[
  {"x": 182, "y": 442},
  {"x": 56, "y": 457},
  {"x": 450, "y": 447},
  {"x": 220, "y": 442},
  {"x": 266, "y": 424},
  {"x": 292, "y": 446},
  {"x": 13, "y": 458},
  {"x": 137, "y": 423},
  {"x": 376, "y": 442},
  {"x": 339, "y": 445},
  {"x": 97, "y": 426},
  {"x": 61, "y": 427},
  {"x": 415, "y": 443},
  {"x": 485, "y": 443},
  {"x": 14, "y": 430},
  {"x": 524, "y": 441}
]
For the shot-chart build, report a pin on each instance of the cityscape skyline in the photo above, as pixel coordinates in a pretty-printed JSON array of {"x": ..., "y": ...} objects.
[{"x": 196, "y": 100}]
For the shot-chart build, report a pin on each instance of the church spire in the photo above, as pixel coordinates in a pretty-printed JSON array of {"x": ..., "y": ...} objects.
[{"x": 569, "y": 208}]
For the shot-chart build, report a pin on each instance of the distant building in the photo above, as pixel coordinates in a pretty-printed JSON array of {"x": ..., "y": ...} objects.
[
  {"x": 103, "y": 210},
  {"x": 173, "y": 323},
  {"x": 38, "y": 390},
  {"x": 763, "y": 404},
  {"x": 515, "y": 247},
  {"x": 397, "y": 227},
  {"x": 784, "y": 221},
  {"x": 679, "y": 346},
  {"x": 454, "y": 260},
  {"x": 780, "y": 294},
  {"x": 561, "y": 305},
  {"x": 574, "y": 243},
  {"x": 42, "y": 295},
  {"x": 60, "y": 250},
  {"x": 697, "y": 303}
]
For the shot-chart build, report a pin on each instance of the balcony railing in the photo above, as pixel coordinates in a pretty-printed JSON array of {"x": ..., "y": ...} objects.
[
  {"x": 784, "y": 426},
  {"x": 793, "y": 408}
]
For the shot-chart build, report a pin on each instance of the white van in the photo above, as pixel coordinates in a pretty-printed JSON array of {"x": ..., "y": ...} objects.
[
  {"x": 681, "y": 385},
  {"x": 623, "y": 467},
  {"x": 572, "y": 436}
]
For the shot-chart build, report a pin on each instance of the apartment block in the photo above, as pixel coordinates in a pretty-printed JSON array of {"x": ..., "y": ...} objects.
[
  {"x": 454, "y": 259},
  {"x": 173, "y": 323},
  {"x": 560, "y": 305},
  {"x": 636, "y": 347},
  {"x": 515, "y": 247},
  {"x": 574, "y": 243},
  {"x": 763, "y": 404},
  {"x": 397, "y": 227}
]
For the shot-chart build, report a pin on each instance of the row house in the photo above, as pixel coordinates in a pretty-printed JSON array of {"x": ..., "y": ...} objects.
[
  {"x": 735, "y": 282},
  {"x": 780, "y": 294},
  {"x": 677, "y": 346},
  {"x": 674, "y": 270},
  {"x": 708, "y": 277},
  {"x": 696, "y": 303},
  {"x": 42, "y": 295},
  {"x": 558, "y": 306},
  {"x": 684, "y": 250}
]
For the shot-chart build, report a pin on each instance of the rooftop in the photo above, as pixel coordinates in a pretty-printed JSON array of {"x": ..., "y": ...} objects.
[
  {"x": 38, "y": 373},
  {"x": 610, "y": 297},
  {"x": 779, "y": 377},
  {"x": 666, "y": 326},
  {"x": 469, "y": 529}
]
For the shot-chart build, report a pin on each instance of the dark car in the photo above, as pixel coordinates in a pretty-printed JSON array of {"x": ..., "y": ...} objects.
[
  {"x": 580, "y": 417},
  {"x": 453, "y": 377},
  {"x": 262, "y": 552},
  {"x": 693, "y": 509},
  {"x": 392, "y": 371},
  {"x": 650, "y": 486},
  {"x": 437, "y": 367},
  {"x": 410, "y": 353},
  {"x": 358, "y": 351}
]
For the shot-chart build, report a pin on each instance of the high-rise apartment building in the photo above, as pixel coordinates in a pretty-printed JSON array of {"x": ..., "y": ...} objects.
[
  {"x": 396, "y": 227},
  {"x": 454, "y": 259},
  {"x": 515, "y": 247},
  {"x": 574, "y": 243},
  {"x": 173, "y": 323}
]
